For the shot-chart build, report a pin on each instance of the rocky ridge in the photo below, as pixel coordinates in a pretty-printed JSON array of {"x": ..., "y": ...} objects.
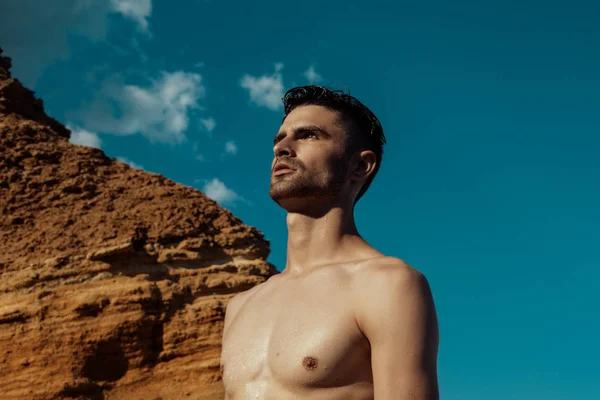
[{"x": 113, "y": 280}]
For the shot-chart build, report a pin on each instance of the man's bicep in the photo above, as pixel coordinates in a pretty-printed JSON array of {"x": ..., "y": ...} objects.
[{"x": 398, "y": 317}]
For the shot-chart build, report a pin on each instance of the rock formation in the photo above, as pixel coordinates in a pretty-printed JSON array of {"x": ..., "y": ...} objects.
[{"x": 113, "y": 280}]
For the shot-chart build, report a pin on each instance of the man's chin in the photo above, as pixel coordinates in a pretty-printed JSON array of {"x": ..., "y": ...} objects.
[
  {"x": 281, "y": 189},
  {"x": 292, "y": 204},
  {"x": 283, "y": 195},
  {"x": 294, "y": 198}
]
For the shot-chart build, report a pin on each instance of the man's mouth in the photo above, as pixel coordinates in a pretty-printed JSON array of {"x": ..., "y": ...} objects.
[
  {"x": 282, "y": 168},
  {"x": 282, "y": 171}
]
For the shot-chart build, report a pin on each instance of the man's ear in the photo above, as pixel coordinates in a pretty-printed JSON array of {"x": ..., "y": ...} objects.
[{"x": 364, "y": 165}]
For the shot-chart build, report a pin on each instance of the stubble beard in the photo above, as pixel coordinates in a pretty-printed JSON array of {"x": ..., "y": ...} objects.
[{"x": 300, "y": 186}]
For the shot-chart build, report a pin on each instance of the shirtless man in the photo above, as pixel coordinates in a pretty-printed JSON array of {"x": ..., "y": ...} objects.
[{"x": 342, "y": 321}]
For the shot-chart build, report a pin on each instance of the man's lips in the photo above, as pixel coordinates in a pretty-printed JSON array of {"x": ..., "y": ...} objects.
[
  {"x": 282, "y": 168},
  {"x": 282, "y": 171}
]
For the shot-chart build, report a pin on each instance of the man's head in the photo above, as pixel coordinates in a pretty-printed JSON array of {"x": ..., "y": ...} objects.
[{"x": 332, "y": 143}]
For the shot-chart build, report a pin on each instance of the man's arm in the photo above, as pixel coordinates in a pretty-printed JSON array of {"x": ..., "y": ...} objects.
[
  {"x": 397, "y": 314},
  {"x": 230, "y": 312}
]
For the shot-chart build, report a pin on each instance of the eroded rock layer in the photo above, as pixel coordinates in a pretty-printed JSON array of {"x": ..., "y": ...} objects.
[{"x": 113, "y": 280}]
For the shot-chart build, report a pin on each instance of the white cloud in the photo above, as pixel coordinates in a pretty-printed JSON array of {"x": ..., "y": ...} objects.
[
  {"x": 266, "y": 90},
  {"x": 138, "y": 49},
  {"x": 230, "y": 147},
  {"x": 129, "y": 162},
  {"x": 36, "y": 37},
  {"x": 220, "y": 193},
  {"x": 159, "y": 112},
  {"x": 84, "y": 138},
  {"x": 209, "y": 124},
  {"x": 311, "y": 75},
  {"x": 137, "y": 10}
]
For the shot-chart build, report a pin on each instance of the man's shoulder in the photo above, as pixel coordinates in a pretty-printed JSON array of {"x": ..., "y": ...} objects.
[
  {"x": 240, "y": 298},
  {"x": 386, "y": 268},
  {"x": 390, "y": 288},
  {"x": 389, "y": 279}
]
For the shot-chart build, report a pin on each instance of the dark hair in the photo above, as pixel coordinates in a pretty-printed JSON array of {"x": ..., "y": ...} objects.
[{"x": 364, "y": 128}]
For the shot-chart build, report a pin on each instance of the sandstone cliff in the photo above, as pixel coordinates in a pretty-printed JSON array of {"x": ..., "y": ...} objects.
[{"x": 113, "y": 281}]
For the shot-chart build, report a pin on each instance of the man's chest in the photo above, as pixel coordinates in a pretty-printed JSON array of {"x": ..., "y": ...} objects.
[{"x": 302, "y": 336}]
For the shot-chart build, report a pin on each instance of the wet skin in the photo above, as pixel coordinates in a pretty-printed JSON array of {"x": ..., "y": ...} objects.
[
  {"x": 297, "y": 339},
  {"x": 342, "y": 321}
]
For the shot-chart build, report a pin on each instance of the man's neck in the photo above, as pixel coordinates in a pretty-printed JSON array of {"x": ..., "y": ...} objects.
[{"x": 327, "y": 239}]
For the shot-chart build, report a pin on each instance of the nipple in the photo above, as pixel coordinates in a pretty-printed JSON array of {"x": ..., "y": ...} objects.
[{"x": 309, "y": 362}]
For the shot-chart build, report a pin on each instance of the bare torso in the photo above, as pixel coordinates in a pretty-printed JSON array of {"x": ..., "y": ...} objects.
[{"x": 297, "y": 338}]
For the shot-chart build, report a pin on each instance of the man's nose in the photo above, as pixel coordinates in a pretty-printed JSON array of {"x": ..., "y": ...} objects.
[{"x": 284, "y": 147}]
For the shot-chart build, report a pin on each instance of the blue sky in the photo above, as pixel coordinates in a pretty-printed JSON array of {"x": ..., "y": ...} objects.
[{"x": 490, "y": 179}]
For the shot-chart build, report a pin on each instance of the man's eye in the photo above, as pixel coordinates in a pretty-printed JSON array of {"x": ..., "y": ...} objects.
[{"x": 311, "y": 134}]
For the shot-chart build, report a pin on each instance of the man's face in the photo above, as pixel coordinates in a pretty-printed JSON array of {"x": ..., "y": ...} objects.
[{"x": 313, "y": 145}]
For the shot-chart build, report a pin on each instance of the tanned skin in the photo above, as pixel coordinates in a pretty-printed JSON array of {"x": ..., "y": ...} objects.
[{"x": 342, "y": 321}]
